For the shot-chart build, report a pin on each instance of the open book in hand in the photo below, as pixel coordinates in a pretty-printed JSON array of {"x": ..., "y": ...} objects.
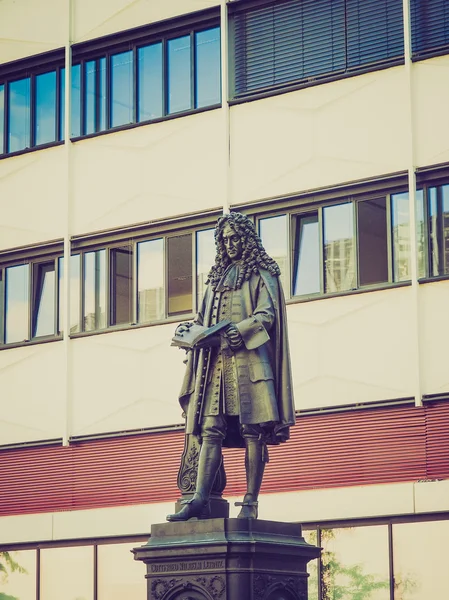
[{"x": 198, "y": 336}]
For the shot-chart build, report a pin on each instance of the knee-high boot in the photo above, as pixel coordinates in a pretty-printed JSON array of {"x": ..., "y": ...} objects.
[
  {"x": 208, "y": 464},
  {"x": 256, "y": 456}
]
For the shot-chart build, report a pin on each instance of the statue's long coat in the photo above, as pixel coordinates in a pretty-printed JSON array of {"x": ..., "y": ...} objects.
[{"x": 263, "y": 370}]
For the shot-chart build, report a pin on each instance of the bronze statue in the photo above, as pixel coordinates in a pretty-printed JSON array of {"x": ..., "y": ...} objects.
[{"x": 237, "y": 389}]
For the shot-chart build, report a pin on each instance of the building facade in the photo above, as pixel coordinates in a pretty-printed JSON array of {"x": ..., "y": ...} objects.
[{"x": 126, "y": 129}]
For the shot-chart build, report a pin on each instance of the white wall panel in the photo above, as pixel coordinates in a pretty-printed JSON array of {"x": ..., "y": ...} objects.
[
  {"x": 431, "y": 117},
  {"x": 33, "y": 191},
  {"x": 434, "y": 328},
  {"x": 319, "y": 136},
  {"x": 126, "y": 380},
  {"x": 352, "y": 349},
  {"x": 150, "y": 172},
  {"x": 95, "y": 19},
  {"x": 32, "y": 388},
  {"x": 28, "y": 27}
]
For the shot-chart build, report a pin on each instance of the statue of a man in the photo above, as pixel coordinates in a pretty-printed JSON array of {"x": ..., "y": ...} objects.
[{"x": 239, "y": 392}]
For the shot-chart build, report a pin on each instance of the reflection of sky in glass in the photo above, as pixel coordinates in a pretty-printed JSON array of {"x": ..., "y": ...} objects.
[
  {"x": 45, "y": 108},
  {"x": 338, "y": 222},
  {"x": 44, "y": 302},
  {"x": 273, "y": 233},
  {"x": 150, "y": 280},
  {"x": 20, "y": 585},
  {"x": 67, "y": 573},
  {"x": 17, "y": 303},
  {"x": 150, "y": 82},
  {"x": 119, "y": 577},
  {"x": 207, "y": 71},
  {"x": 339, "y": 247},
  {"x": 61, "y": 102},
  {"x": 420, "y": 569},
  {"x": 205, "y": 256},
  {"x": 307, "y": 260},
  {"x": 75, "y": 263},
  {"x": 401, "y": 236},
  {"x": 75, "y": 116},
  {"x": 102, "y": 94},
  {"x": 19, "y": 115},
  {"x": 90, "y": 92},
  {"x": 94, "y": 290},
  {"x": 2, "y": 108},
  {"x": 121, "y": 89},
  {"x": 179, "y": 85},
  {"x": 433, "y": 232}
]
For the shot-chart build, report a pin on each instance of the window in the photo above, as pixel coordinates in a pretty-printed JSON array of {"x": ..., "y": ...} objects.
[
  {"x": 291, "y": 41},
  {"x": 63, "y": 569},
  {"x": 150, "y": 76},
  {"x": 31, "y": 104},
  {"x": 433, "y": 230},
  {"x": 430, "y": 27},
  {"x": 30, "y": 290}
]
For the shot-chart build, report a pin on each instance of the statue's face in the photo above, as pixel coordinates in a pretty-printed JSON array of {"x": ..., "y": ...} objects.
[{"x": 233, "y": 243}]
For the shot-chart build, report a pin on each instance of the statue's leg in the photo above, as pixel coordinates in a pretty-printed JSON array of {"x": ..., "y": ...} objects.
[{"x": 256, "y": 455}]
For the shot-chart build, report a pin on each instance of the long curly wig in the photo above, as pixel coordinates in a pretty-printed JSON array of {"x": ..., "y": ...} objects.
[{"x": 253, "y": 257}]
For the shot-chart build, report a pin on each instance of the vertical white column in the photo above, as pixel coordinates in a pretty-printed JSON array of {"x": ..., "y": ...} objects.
[
  {"x": 415, "y": 324},
  {"x": 67, "y": 411},
  {"x": 225, "y": 109}
]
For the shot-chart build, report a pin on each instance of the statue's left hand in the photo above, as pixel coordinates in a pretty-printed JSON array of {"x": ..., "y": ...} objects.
[{"x": 233, "y": 337}]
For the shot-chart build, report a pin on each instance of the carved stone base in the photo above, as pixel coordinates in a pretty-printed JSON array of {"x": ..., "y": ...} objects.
[{"x": 226, "y": 559}]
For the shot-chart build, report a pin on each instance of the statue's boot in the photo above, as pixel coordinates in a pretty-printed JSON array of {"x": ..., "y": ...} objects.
[
  {"x": 255, "y": 458},
  {"x": 208, "y": 464}
]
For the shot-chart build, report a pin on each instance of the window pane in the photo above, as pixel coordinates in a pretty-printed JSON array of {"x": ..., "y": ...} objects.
[
  {"x": 45, "y": 108},
  {"x": 433, "y": 232},
  {"x": 61, "y": 103},
  {"x": 274, "y": 236},
  {"x": 19, "y": 578},
  {"x": 306, "y": 273},
  {"x": 75, "y": 282},
  {"x": 373, "y": 241},
  {"x": 119, "y": 576},
  {"x": 75, "y": 111},
  {"x": 179, "y": 254},
  {"x": 121, "y": 285},
  {"x": 207, "y": 67},
  {"x": 121, "y": 89},
  {"x": 94, "y": 290},
  {"x": 420, "y": 570},
  {"x": 179, "y": 84},
  {"x": 19, "y": 115},
  {"x": 44, "y": 299},
  {"x": 90, "y": 94},
  {"x": 355, "y": 563},
  {"x": 67, "y": 573},
  {"x": 445, "y": 226},
  {"x": 150, "y": 278},
  {"x": 420, "y": 233},
  {"x": 339, "y": 247},
  {"x": 205, "y": 257},
  {"x": 2, "y": 117},
  {"x": 401, "y": 236},
  {"x": 312, "y": 567},
  {"x": 2, "y": 295},
  {"x": 17, "y": 303},
  {"x": 150, "y": 82},
  {"x": 102, "y": 94}
]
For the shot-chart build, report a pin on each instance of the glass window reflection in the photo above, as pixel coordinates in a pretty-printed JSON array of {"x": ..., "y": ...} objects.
[
  {"x": 17, "y": 303},
  {"x": 75, "y": 100},
  {"x": 2, "y": 117},
  {"x": 94, "y": 315},
  {"x": 61, "y": 104},
  {"x": 121, "y": 89},
  {"x": 44, "y": 299},
  {"x": 372, "y": 241},
  {"x": 90, "y": 94},
  {"x": 45, "y": 125},
  {"x": 421, "y": 234},
  {"x": 150, "y": 82},
  {"x": 339, "y": 263},
  {"x": 207, "y": 67},
  {"x": 306, "y": 273},
  {"x": 179, "y": 80},
  {"x": 67, "y": 573},
  {"x": 205, "y": 253},
  {"x": 274, "y": 235},
  {"x": 401, "y": 236},
  {"x": 150, "y": 281},
  {"x": 18, "y": 580},
  {"x": 179, "y": 272},
  {"x": 121, "y": 285},
  {"x": 118, "y": 575},
  {"x": 2, "y": 296},
  {"x": 420, "y": 569},
  {"x": 75, "y": 283},
  {"x": 19, "y": 115}
]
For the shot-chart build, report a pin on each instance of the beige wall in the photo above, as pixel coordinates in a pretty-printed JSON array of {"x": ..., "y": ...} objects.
[{"x": 319, "y": 136}]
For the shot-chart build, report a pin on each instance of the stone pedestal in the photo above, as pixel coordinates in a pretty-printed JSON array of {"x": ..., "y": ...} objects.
[{"x": 226, "y": 559}]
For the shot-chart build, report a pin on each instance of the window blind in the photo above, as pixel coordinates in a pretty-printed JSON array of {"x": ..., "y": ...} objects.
[{"x": 430, "y": 27}]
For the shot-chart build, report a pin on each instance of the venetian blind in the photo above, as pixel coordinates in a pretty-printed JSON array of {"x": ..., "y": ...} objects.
[{"x": 430, "y": 26}]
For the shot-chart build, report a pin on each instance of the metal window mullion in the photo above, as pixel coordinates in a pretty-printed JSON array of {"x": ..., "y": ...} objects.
[
  {"x": 321, "y": 249},
  {"x": 193, "y": 94},
  {"x": 95, "y": 573},
  {"x": 195, "y": 272},
  {"x": 38, "y": 573},
  {"x": 390, "y": 255},
  {"x": 134, "y": 51},
  {"x": 33, "y": 108}
]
